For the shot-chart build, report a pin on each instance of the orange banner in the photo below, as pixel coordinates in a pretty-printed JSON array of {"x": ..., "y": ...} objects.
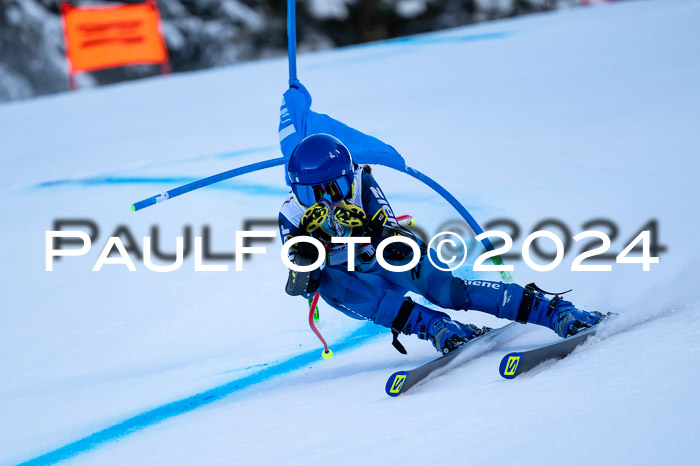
[{"x": 104, "y": 37}]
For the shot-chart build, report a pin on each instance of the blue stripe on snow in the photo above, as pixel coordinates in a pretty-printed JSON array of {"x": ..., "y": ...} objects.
[
  {"x": 167, "y": 411},
  {"x": 429, "y": 39},
  {"x": 393, "y": 47}
]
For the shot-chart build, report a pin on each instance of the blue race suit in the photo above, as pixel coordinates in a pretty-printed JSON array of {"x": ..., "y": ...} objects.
[{"x": 373, "y": 293}]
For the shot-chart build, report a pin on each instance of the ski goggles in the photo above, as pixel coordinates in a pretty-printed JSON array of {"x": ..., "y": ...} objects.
[{"x": 331, "y": 191}]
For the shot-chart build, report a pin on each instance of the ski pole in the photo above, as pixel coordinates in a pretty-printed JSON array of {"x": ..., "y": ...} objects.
[
  {"x": 316, "y": 315},
  {"x": 327, "y": 353},
  {"x": 406, "y": 220}
]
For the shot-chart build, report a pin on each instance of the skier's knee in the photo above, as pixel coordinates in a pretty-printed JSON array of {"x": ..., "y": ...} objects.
[
  {"x": 458, "y": 293},
  {"x": 444, "y": 290}
]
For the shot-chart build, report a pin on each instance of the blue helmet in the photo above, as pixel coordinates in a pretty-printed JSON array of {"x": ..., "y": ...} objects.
[{"x": 321, "y": 167}]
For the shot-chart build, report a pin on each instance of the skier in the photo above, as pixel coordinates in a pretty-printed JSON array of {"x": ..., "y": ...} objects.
[{"x": 333, "y": 197}]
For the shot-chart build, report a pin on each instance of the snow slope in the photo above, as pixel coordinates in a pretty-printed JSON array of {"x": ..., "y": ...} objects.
[{"x": 575, "y": 115}]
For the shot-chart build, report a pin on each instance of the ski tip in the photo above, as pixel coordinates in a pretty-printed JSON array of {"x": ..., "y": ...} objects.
[
  {"x": 395, "y": 383},
  {"x": 509, "y": 365}
]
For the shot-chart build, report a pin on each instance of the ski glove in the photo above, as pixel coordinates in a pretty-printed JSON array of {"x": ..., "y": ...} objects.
[
  {"x": 324, "y": 222},
  {"x": 300, "y": 283},
  {"x": 379, "y": 231}
]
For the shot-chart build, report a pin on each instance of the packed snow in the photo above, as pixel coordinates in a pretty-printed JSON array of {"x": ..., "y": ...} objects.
[{"x": 577, "y": 115}]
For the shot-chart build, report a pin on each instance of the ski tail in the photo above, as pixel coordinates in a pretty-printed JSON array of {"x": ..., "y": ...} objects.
[
  {"x": 509, "y": 365},
  {"x": 395, "y": 383}
]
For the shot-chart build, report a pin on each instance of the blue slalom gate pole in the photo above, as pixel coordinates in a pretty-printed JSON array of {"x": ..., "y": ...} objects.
[
  {"x": 206, "y": 182},
  {"x": 293, "y": 80},
  {"x": 292, "y": 41},
  {"x": 435, "y": 186},
  {"x": 505, "y": 275}
]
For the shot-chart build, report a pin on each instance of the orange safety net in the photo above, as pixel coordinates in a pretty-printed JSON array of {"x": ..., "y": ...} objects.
[{"x": 104, "y": 37}]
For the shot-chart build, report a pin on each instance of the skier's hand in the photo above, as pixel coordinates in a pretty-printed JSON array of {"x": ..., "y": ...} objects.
[
  {"x": 378, "y": 231},
  {"x": 375, "y": 227},
  {"x": 314, "y": 222},
  {"x": 351, "y": 218},
  {"x": 324, "y": 222},
  {"x": 301, "y": 283},
  {"x": 306, "y": 251},
  {"x": 397, "y": 252}
]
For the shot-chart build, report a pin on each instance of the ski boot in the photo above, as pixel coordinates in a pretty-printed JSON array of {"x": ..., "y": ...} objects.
[
  {"x": 435, "y": 326},
  {"x": 570, "y": 320},
  {"x": 447, "y": 335},
  {"x": 556, "y": 313}
]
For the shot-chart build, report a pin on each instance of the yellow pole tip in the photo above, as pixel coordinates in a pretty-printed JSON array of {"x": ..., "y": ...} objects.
[{"x": 327, "y": 354}]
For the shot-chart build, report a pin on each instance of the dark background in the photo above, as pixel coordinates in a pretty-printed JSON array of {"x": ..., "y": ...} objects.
[{"x": 206, "y": 33}]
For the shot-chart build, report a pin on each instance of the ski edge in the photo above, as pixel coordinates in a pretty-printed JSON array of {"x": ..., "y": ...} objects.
[{"x": 511, "y": 367}]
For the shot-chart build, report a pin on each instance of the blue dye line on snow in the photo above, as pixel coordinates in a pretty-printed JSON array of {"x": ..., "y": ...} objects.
[
  {"x": 224, "y": 155},
  {"x": 426, "y": 39},
  {"x": 252, "y": 150},
  {"x": 185, "y": 405},
  {"x": 430, "y": 39},
  {"x": 96, "y": 180},
  {"x": 102, "y": 180},
  {"x": 230, "y": 371}
]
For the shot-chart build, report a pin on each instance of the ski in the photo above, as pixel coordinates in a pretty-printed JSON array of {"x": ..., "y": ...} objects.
[
  {"x": 514, "y": 364},
  {"x": 401, "y": 381}
]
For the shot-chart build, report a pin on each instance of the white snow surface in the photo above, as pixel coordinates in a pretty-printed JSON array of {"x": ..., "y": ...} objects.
[{"x": 575, "y": 115}]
